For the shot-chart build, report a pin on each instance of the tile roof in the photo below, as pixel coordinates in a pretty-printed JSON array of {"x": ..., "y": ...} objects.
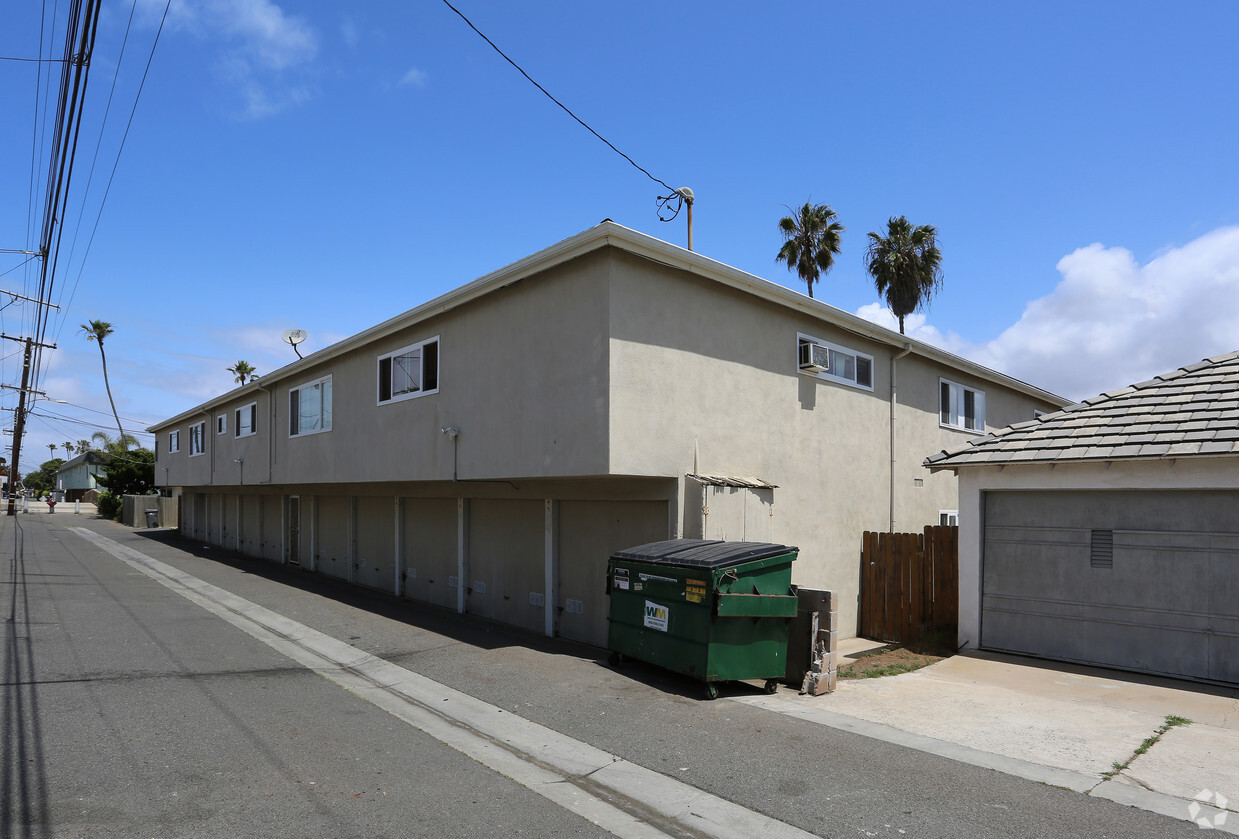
[{"x": 1190, "y": 412}]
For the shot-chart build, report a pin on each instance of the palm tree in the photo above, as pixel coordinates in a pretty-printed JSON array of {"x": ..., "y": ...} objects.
[
  {"x": 243, "y": 371},
  {"x": 114, "y": 445},
  {"x": 83, "y": 446},
  {"x": 811, "y": 240},
  {"x": 67, "y": 445},
  {"x": 906, "y": 265},
  {"x": 97, "y": 330},
  {"x": 51, "y": 447}
]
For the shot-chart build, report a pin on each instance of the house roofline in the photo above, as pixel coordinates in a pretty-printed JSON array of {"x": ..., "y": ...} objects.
[{"x": 610, "y": 234}]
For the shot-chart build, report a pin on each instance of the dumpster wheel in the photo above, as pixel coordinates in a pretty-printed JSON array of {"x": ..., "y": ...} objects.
[
  {"x": 772, "y": 685},
  {"x": 711, "y": 690}
]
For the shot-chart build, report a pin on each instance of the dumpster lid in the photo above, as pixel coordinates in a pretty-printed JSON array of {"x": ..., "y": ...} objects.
[{"x": 702, "y": 553}]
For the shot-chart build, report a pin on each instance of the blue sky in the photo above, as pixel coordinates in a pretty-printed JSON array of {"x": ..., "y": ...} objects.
[{"x": 326, "y": 166}]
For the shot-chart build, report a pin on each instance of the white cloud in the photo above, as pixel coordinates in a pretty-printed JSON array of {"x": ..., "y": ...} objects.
[
  {"x": 1111, "y": 321},
  {"x": 415, "y": 77},
  {"x": 265, "y": 54},
  {"x": 915, "y": 325},
  {"x": 350, "y": 32}
]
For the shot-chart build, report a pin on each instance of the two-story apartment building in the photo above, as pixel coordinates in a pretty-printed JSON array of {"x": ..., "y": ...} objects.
[{"x": 488, "y": 450}]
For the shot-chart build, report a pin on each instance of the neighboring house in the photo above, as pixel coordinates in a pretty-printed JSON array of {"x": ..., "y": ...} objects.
[
  {"x": 487, "y": 451},
  {"x": 1108, "y": 533},
  {"x": 80, "y": 475}
]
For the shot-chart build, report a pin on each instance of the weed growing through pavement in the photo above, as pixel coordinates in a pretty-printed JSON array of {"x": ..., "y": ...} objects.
[{"x": 1149, "y": 742}]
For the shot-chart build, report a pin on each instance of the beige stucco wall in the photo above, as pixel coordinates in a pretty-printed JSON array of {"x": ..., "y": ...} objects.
[
  {"x": 974, "y": 482},
  {"x": 704, "y": 377},
  {"x": 610, "y": 365}
]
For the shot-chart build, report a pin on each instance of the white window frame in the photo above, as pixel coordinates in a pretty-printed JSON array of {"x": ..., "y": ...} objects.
[
  {"x": 197, "y": 440},
  {"x": 400, "y": 397},
  {"x": 830, "y": 375},
  {"x": 252, "y": 409},
  {"x": 221, "y": 423},
  {"x": 323, "y": 426},
  {"x": 957, "y": 420},
  {"x": 951, "y": 516},
  {"x": 174, "y": 441}
]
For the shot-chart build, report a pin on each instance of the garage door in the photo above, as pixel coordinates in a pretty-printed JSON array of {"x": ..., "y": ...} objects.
[{"x": 1144, "y": 581}]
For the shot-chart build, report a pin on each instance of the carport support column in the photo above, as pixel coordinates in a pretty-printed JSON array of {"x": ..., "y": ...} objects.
[
  {"x": 352, "y": 539},
  {"x": 313, "y": 517},
  {"x": 237, "y": 534},
  {"x": 397, "y": 563},
  {"x": 462, "y": 552},
  {"x": 550, "y": 535}
]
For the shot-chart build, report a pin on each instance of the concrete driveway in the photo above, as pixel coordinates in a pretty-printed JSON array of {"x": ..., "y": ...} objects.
[{"x": 1075, "y": 727}]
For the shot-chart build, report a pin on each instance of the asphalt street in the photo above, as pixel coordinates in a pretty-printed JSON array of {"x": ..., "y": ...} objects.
[{"x": 132, "y": 709}]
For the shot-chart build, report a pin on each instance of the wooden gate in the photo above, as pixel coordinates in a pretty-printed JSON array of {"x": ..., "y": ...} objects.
[{"x": 909, "y": 583}]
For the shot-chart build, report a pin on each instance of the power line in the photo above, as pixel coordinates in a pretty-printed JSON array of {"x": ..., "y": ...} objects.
[
  {"x": 552, "y": 98},
  {"x": 115, "y": 163},
  {"x": 103, "y": 124}
]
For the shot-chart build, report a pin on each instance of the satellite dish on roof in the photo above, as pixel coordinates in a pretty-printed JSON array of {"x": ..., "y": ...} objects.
[{"x": 293, "y": 337}]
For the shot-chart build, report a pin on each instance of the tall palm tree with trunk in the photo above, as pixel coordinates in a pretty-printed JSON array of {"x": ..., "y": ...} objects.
[
  {"x": 51, "y": 447},
  {"x": 83, "y": 446},
  {"x": 67, "y": 445},
  {"x": 97, "y": 330},
  {"x": 243, "y": 371},
  {"x": 810, "y": 241},
  {"x": 906, "y": 265}
]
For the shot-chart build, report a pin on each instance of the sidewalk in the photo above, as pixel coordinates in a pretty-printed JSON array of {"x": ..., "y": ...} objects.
[
  {"x": 1070, "y": 726},
  {"x": 40, "y": 507}
]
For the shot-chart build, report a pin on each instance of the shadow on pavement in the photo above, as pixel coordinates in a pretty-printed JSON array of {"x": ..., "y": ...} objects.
[
  {"x": 466, "y": 629},
  {"x": 23, "y": 765}
]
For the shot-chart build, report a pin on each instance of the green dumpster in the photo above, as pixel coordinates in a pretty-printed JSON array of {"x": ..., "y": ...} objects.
[{"x": 715, "y": 611}]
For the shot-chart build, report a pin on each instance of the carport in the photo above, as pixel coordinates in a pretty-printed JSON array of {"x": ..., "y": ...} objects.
[{"x": 1108, "y": 533}]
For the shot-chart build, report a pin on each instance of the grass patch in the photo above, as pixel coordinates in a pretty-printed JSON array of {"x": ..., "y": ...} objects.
[{"x": 894, "y": 659}]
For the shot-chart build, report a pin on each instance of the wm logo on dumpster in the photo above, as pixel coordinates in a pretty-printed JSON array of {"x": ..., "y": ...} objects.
[{"x": 656, "y": 616}]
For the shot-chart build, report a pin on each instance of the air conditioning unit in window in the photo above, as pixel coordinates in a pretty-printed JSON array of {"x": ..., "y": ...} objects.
[{"x": 814, "y": 358}]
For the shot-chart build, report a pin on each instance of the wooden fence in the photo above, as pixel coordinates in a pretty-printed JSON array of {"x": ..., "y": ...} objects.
[{"x": 909, "y": 583}]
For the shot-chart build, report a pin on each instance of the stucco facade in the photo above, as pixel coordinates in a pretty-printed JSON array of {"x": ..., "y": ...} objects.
[{"x": 583, "y": 387}]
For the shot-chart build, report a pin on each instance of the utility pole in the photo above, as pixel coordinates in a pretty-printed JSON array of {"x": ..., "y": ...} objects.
[{"x": 19, "y": 418}]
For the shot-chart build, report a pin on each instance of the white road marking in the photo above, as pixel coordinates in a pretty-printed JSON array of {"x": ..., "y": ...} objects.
[{"x": 621, "y": 797}]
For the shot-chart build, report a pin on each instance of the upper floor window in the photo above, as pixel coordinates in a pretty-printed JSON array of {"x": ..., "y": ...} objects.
[
  {"x": 245, "y": 420},
  {"x": 961, "y": 407},
  {"x": 309, "y": 407},
  {"x": 221, "y": 424},
  {"x": 842, "y": 364},
  {"x": 197, "y": 438},
  {"x": 174, "y": 441},
  {"x": 409, "y": 372}
]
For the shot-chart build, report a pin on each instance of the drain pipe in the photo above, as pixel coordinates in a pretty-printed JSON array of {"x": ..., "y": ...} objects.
[
  {"x": 894, "y": 401},
  {"x": 270, "y": 431}
]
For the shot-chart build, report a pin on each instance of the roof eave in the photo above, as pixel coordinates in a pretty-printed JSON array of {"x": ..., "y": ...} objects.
[{"x": 605, "y": 234}]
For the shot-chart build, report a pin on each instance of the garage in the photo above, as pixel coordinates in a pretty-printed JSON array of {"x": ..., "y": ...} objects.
[
  {"x": 1107, "y": 533},
  {"x": 1139, "y": 580}
]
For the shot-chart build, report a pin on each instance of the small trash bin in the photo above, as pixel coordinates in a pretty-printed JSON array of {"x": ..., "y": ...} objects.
[
  {"x": 152, "y": 518},
  {"x": 715, "y": 611}
]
